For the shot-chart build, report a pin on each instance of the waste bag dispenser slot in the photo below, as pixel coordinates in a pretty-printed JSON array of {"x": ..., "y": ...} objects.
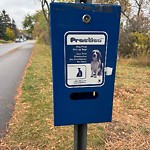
[{"x": 84, "y": 41}]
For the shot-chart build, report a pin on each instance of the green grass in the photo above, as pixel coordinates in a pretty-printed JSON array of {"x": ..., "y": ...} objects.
[
  {"x": 3, "y": 41},
  {"x": 31, "y": 126}
]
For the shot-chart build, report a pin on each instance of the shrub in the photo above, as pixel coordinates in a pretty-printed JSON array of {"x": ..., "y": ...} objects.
[
  {"x": 141, "y": 44},
  {"x": 9, "y": 34},
  {"x": 134, "y": 44}
]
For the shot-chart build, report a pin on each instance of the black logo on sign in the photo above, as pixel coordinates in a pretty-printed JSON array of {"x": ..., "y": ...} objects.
[{"x": 79, "y": 74}]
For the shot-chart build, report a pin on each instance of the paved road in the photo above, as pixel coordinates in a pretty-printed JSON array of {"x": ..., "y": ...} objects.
[
  {"x": 12, "y": 65},
  {"x": 5, "y": 48}
]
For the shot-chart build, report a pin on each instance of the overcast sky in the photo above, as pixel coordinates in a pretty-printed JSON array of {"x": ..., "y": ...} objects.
[{"x": 17, "y": 9}]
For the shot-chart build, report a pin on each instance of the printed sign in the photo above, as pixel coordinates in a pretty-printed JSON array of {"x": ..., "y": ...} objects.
[{"x": 85, "y": 58}]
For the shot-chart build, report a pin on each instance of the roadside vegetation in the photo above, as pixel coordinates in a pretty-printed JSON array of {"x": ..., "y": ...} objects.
[
  {"x": 134, "y": 41},
  {"x": 3, "y": 41},
  {"x": 8, "y": 29},
  {"x": 37, "y": 26}
]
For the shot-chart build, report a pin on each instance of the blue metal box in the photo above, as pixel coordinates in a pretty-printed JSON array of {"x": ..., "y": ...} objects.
[{"x": 84, "y": 40}]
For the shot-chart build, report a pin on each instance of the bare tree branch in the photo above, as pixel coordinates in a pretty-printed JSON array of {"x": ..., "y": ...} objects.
[
  {"x": 126, "y": 16},
  {"x": 139, "y": 6},
  {"x": 44, "y": 4}
]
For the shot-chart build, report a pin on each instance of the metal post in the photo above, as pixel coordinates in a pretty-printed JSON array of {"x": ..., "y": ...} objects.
[
  {"x": 80, "y": 137},
  {"x": 80, "y": 131},
  {"x": 84, "y": 1}
]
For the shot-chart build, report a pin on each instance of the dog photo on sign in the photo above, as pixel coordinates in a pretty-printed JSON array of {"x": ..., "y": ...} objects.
[{"x": 96, "y": 64}]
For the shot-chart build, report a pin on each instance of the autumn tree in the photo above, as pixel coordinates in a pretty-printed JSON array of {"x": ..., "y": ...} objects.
[
  {"x": 41, "y": 29},
  {"x": 136, "y": 28},
  {"x": 28, "y": 23},
  {"x": 1, "y": 26},
  {"x": 45, "y": 9},
  {"x": 14, "y": 27},
  {"x": 6, "y": 22},
  {"x": 9, "y": 34},
  {"x": 135, "y": 24}
]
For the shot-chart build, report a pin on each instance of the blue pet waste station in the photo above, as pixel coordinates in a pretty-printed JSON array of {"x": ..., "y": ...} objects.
[{"x": 84, "y": 41}]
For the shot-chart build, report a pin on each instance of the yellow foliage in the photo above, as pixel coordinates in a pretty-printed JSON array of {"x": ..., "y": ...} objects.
[
  {"x": 9, "y": 34},
  {"x": 141, "y": 43}
]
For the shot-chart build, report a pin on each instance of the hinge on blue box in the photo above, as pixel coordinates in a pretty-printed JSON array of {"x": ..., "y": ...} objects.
[{"x": 84, "y": 41}]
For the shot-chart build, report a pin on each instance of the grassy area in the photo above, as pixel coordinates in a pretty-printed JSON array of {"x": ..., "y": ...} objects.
[
  {"x": 31, "y": 126},
  {"x": 4, "y": 42},
  {"x": 130, "y": 128}
]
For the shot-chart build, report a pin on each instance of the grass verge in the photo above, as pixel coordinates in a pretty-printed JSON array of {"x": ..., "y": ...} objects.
[
  {"x": 31, "y": 127},
  {"x": 4, "y": 42}
]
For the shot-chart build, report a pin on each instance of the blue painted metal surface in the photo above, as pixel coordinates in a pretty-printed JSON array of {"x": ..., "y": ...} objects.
[{"x": 83, "y": 83}]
